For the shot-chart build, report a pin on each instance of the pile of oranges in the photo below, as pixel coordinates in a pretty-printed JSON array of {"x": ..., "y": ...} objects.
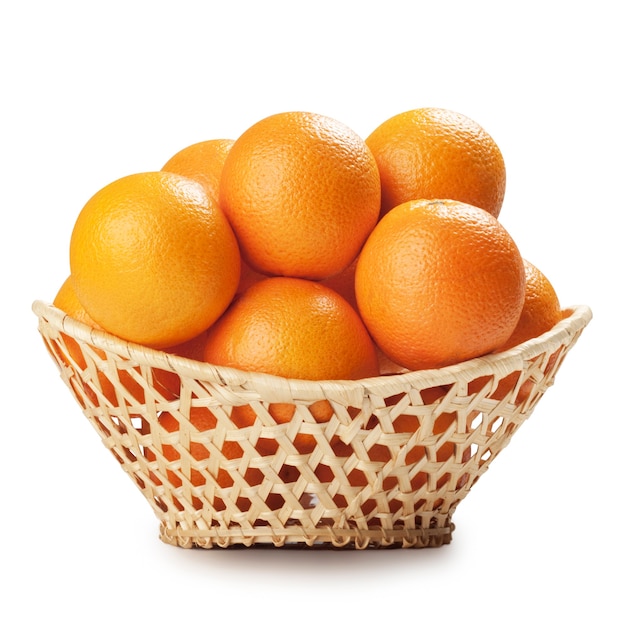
[{"x": 302, "y": 250}]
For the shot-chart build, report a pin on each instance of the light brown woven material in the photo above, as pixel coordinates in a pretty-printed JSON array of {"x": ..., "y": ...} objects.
[{"x": 363, "y": 484}]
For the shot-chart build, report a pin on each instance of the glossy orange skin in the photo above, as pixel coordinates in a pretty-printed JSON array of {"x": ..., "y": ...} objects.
[
  {"x": 202, "y": 161},
  {"x": 541, "y": 310},
  {"x": 343, "y": 283},
  {"x": 302, "y": 192},
  {"x": 153, "y": 259},
  {"x": 432, "y": 153},
  {"x": 294, "y": 328},
  {"x": 165, "y": 383},
  {"x": 439, "y": 282}
]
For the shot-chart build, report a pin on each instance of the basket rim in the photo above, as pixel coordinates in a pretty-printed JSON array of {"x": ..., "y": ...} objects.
[{"x": 563, "y": 332}]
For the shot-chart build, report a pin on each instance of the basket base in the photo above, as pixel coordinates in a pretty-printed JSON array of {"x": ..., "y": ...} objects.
[{"x": 320, "y": 538}]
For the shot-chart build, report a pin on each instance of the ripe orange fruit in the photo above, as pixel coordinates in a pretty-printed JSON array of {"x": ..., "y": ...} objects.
[
  {"x": 283, "y": 413},
  {"x": 202, "y": 419},
  {"x": 248, "y": 277},
  {"x": 541, "y": 310},
  {"x": 433, "y": 153},
  {"x": 165, "y": 383},
  {"x": 153, "y": 259},
  {"x": 203, "y": 162},
  {"x": 302, "y": 193},
  {"x": 439, "y": 282},
  {"x": 343, "y": 283},
  {"x": 67, "y": 300},
  {"x": 403, "y": 423},
  {"x": 294, "y": 328},
  {"x": 445, "y": 450}
]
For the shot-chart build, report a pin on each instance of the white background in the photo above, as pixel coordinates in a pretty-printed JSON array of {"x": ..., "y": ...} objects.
[{"x": 94, "y": 91}]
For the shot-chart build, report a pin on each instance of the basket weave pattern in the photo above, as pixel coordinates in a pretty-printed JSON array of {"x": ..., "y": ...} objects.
[{"x": 363, "y": 479}]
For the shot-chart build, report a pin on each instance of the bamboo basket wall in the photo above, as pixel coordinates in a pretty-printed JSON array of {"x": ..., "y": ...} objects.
[{"x": 387, "y": 469}]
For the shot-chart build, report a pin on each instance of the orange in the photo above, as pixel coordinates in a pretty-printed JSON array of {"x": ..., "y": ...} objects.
[
  {"x": 201, "y": 419},
  {"x": 294, "y": 328},
  {"x": 406, "y": 423},
  {"x": 541, "y": 310},
  {"x": 165, "y": 383},
  {"x": 248, "y": 277},
  {"x": 434, "y": 153},
  {"x": 203, "y": 162},
  {"x": 67, "y": 300},
  {"x": 343, "y": 283},
  {"x": 302, "y": 193},
  {"x": 446, "y": 450},
  {"x": 438, "y": 282},
  {"x": 283, "y": 413},
  {"x": 153, "y": 259}
]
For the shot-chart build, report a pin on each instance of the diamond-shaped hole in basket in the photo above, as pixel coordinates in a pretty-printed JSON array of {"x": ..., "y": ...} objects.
[{"x": 495, "y": 425}]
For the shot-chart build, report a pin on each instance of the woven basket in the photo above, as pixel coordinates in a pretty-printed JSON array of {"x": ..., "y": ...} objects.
[{"x": 388, "y": 468}]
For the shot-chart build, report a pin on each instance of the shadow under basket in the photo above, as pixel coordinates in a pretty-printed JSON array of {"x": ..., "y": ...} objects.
[{"x": 379, "y": 462}]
